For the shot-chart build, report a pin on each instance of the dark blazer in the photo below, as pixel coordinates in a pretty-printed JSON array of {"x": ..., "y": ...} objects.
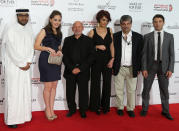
[
  {"x": 77, "y": 54},
  {"x": 137, "y": 44},
  {"x": 168, "y": 54}
]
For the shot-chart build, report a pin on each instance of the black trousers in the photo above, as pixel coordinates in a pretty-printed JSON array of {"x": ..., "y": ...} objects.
[
  {"x": 163, "y": 87},
  {"x": 98, "y": 100},
  {"x": 71, "y": 82}
]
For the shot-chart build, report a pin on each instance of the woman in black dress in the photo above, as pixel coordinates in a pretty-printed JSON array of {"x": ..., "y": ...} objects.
[
  {"x": 48, "y": 42},
  {"x": 103, "y": 41}
]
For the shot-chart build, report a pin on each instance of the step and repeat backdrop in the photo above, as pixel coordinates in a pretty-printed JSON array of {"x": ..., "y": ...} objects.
[{"x": 142, "y": 12}]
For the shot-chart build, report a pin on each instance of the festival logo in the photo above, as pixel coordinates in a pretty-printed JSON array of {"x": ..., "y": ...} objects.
[
  {"x": 36, "y": 81},
  {"x": 107, "y": 4},
  {"x": 43, "y": 2},
  {"x": 135, "y": 6},
  {"x": 76, "y": 5}
]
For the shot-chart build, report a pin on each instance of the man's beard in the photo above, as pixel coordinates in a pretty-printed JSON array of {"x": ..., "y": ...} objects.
[{"x": 23, "y": 24}]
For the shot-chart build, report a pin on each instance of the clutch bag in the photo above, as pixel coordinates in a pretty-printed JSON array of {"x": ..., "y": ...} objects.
[{"x": 57, "y": 60}]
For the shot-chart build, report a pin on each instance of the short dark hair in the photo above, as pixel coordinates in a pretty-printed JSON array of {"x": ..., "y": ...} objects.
[
  {"x": 126, "y": 18},
  {"x": 159, "y": 16},
  {"x": 101, "y": 14}
]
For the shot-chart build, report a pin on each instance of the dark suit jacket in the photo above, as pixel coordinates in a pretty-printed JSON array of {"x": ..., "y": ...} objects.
[
  {"x": 78, "y": 54},
  {"x": 168, "y": 54},
  {"x": 137, "y": 44}
]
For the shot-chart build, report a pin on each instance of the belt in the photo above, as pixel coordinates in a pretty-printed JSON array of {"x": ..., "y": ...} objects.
[
  {"x": 157, "y": 61},
  {"x": 126, "y": 66}
]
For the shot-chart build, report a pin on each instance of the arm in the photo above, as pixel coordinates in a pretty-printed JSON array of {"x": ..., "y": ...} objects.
[
  {"x": 144, "y": 55},
  {"x": 144, "y": 59},
  {"x": 139, "y": 50},
  {"x": 38, "y": 41},
  {"x": 172, "y": 55},
  {"x": 66, "y": 59},
  {"x": 90, "y": 58},
  {"x": 17, "y": 59},
  {"x": 110, "y": 64}
]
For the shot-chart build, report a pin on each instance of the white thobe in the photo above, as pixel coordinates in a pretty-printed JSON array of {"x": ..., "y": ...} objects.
[{"x": 18, "y": 52}]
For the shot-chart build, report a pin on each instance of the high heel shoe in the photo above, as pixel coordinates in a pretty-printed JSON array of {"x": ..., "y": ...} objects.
[
  {"x": 50, "y": 118},
  {"x": 55, "y": 116}
]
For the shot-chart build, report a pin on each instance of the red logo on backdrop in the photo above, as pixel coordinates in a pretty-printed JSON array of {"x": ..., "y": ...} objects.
[
  {"x": 163, "y": 7},
  {"x": 52, "y": 2},
  {"x": 170, "y": 7}
]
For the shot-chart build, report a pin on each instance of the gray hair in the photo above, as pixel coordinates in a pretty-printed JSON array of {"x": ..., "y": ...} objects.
[{"x": 126, "y": 18}]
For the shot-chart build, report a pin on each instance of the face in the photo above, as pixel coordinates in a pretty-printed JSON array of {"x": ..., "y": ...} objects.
[
  {"x": 158, "y": 24},
  {"x": 77, "y": 28},
  {"x": 126, "y": 26},
  {"x": 55, "y": 21},
  {"x": 23, "y": 18},
  {"x": 103, "y": 22}
]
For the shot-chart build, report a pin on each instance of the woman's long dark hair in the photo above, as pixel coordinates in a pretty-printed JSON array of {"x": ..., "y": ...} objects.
[{"x": 48, "y": 27}]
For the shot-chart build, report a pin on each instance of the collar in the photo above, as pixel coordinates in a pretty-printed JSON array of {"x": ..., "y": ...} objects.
[
  {"x": 82, "y": 35},
  {"x": 128, "y": 35},
  {"x": 155, "y": 31}
]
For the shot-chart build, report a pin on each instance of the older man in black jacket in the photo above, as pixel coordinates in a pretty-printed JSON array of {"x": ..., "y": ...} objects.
[{"x": 78, "y": 53}]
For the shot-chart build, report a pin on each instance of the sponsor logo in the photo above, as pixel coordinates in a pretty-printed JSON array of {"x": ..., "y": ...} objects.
[
  {"x": 163, "y": 7},
  {"x": 135, "y": 7},
  {"x": 43, "y": 2},
  {"x": 176, "y": 26},
  {"x": 89, "y": 24},
  {"x": 173, "y": 94},
  {"x": 59, "y": 98},
  {"x": 67, "y": 24},
  {"x": 2, "y": 82},
  {"x": 2, "y": 101},
  {"x": 1, "y": 20},
  {"x": 76, "y": 5},
  {"x": 8, "y": 3},
  {"x": 107, "y": 5},
  {"x": 33, "y": 100},
  {"x": 36, "y": 81}
]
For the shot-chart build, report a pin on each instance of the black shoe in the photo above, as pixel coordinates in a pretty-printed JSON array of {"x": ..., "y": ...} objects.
[
  {"x": 131, "y": 113},
  {"x": 69, "y": 114},
  {"x": 106, "y": 111},
  {"x": 83, "y": 114},
  {"x": 120, "y": 112},
  {"x": 98, "y": 112},
  {"x": 12, "y": 126},
  {"x": 143, "y": 113},
  {"x": 167, "y": 115}
]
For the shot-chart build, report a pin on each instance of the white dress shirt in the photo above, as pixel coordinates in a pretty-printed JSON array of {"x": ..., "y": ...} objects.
[
  {"x": 156, "y": 43},
  {"x": 126, "y": 58}
]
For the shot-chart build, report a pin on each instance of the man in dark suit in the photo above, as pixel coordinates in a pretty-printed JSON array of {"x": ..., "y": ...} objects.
[
  {"x": 78, "y": 53},
  {"x": 157, "y": 58},
  {"x": 127, "y": 64}
]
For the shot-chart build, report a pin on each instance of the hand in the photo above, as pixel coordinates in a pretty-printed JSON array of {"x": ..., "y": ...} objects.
[
  {"x": 168, "y": 74},
  {"x": 52, "y": 51},
  {"x": 145, "y": 73},
  {"x": 59, "y": 53},
  {"x": 110, "y": 63},
  {"x": 101, "y": 47},
  {"x": 75, "y": 71},
  {"x": 26, "y": 67}
]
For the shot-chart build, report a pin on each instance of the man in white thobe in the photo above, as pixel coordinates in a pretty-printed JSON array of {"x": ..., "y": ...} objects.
[{"x": 17, "y": 55}]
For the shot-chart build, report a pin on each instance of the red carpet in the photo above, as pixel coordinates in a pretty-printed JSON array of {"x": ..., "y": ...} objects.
[{"x": 154, "y": 121}]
